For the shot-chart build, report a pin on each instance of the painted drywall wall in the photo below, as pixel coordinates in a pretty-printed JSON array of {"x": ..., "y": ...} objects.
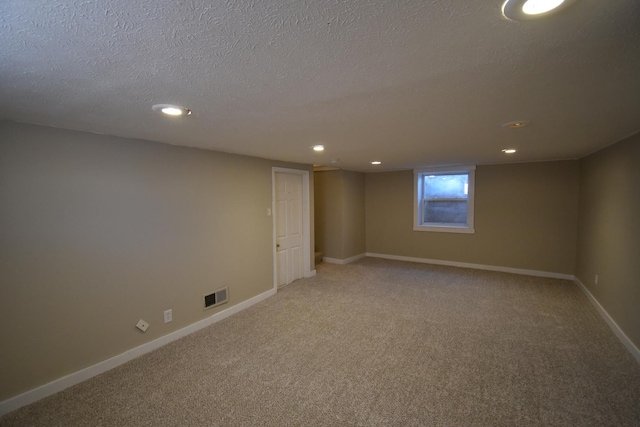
[
  {"x": 353, "y": 214},
  {"x": 525, "y": 218},
  {"x": 340, "y": 213},
  {"x": 609, "y": 232},
  {"x": 97, "y": 232},
  {"x": 328, "y": 213}
]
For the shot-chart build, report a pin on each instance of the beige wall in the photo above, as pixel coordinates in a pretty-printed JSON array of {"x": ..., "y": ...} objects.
[
  {"x": 353, "y": 214},
  {"x": 609, "y": 232},
  {"x": 340, "y": 213},
  {"x": 328, "y": 213},
  {"x": 525, "y": 218},
  {"x": 97, "y": 232}
]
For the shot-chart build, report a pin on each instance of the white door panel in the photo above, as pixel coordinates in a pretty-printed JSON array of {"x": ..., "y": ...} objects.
[
  {"x": 281, "y": 219},
  {"x": 295, "y": 213},
  {"x": 289, "y": 238},
  {"x": 282, "y": 266},
  {"x": 296, "y": 258}
]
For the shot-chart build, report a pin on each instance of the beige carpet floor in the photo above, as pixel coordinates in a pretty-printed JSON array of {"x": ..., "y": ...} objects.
[{"x": 376, "y": 343}]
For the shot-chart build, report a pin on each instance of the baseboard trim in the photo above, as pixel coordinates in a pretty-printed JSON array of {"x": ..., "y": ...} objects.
[
  {"x": 536, "y": 273},
  {"x": 343, "y": 261},
  {"x": 310, "y": 274},
  {"x": 635, "y": 352},
  {"x": 60, "y": 384}
]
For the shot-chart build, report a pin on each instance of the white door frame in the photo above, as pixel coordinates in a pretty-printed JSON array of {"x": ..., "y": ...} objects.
[{"x": 306, "y": 221}]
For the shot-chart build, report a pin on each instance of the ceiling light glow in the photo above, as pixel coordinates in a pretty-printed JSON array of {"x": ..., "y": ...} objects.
[
  {"x": 172, "y": 110},
  {"x": 509, "y": 150},
  {"x": 376, "y": 162},
  {"x": 318, "y": 148},
  {"x": 536, "y": 7}
]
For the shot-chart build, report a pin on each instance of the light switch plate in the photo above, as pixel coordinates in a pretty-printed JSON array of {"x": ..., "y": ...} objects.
[{"x": 142, "y": 325}]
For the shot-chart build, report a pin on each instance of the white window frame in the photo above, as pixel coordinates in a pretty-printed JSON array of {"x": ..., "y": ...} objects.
[{"x": 418, "y": 177}]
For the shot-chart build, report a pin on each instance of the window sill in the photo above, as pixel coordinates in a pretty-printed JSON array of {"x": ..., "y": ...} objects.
[{"x": 444, "y": 229}]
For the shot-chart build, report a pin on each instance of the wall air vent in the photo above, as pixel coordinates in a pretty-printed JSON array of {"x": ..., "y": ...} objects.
[{"x": 216, "y": 298}]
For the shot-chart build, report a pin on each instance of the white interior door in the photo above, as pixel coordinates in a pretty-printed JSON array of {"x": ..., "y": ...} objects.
[{"x": 289, "y": 235}]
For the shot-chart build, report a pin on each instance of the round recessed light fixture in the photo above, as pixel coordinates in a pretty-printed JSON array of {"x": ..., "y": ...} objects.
[
  {"x": 376, "y": 162},
  {"x": 516, "y": 124},
  {"x": 523, "y": 10},
  {"x": 509, "y": 150},
  {"x": 318, "y": 148},
  {"x": 172, "y": 110}
]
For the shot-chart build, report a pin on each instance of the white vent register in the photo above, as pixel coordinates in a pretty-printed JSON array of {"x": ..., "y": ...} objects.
[{"x": 216, "y": 298}]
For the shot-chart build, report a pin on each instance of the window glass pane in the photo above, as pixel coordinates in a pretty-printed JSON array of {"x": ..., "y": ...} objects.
[
  {"x": 446, "y": 186},
  {"x": 447, "y": 212},
  {"x": 445, "y": 199}
]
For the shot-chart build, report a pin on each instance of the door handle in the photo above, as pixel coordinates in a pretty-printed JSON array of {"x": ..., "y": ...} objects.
[{"x": 277, "y": 245}]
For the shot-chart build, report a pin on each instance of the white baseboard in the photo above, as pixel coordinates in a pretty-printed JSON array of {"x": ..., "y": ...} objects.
[
  {"x": 475, "y": 266},
  {"x": 612, "y": 324},
  {"x": 343, "y": 261},
  {"x": 310, "y": 274},
  {"x": 60, "y": 384}
]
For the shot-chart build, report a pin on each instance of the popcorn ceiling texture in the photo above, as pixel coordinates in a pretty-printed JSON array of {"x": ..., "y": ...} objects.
[{"x": 412, "y": 82}]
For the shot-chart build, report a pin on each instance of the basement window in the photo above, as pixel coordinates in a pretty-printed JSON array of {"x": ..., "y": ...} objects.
[{"x": 443, "y": 199}]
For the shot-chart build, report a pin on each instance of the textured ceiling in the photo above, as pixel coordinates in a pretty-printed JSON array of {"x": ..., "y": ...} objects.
[{"x": 410, "y": 83}]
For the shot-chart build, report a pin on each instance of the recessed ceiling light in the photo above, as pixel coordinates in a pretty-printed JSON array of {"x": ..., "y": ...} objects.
[
  {"x": 522, "y": 10},
  {"x": 334, "y": 160},
  {"x": 509, "y": 150},
  {"x": 376, "y": 162},
  {"x": 516, "y": 124},
  {"x": 318, "y": 148},
  {"x": 172, "y": 110},
  {"x": 536, "y": 7}
]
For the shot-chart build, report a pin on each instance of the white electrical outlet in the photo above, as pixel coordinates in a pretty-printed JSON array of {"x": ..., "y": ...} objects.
[
  {"x": 596, "y": 279},
  {"x": 168, "y": 316},
  {"x": 142, "y": 325}
]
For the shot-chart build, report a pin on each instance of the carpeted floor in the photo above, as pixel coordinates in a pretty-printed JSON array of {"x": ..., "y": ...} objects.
[{"x": 376, "y": 343}]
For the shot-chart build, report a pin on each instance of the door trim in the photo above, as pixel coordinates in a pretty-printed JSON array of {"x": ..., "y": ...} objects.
[{"x": 306, "y": 221}]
